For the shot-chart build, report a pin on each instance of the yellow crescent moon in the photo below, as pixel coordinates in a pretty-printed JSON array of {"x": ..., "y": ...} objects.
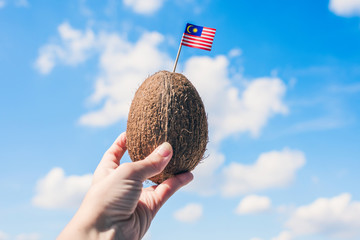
[{"x": 187, "y": 29}]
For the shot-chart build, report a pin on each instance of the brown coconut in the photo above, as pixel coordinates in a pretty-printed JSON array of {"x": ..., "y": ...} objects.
[{"x": 167, "y": 108}]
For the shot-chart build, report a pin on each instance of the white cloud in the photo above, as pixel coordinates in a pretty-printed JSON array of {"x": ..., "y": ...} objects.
[
  {"x": 3, "y": 236},
  {"x": 235, "y": 52},
  {"x": 335, "y": 217},
  {"x": 47, "y": 58},
  {"x": 255, "y": 238},
  {"x": 206, "y": 182},
  {"x": 124, "y": 66},
  {"x": 253, "y": 204},
  {"x": 345, "y": 8},
  {"x": 190, "y": 213},
  {"x": 28, "y": 236},
  {"x": 229, "y": 110},
  {"x": 284, "y": 235},
  {"x": 56, "y": 190},
  {"x": 144, "y": 6},
  {"x": 271, "y": 170},
  {"x": 74, "y": 48},
  {"x": 2, "y": 3}
]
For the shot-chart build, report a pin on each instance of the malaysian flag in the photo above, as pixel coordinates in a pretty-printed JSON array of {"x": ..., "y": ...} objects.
[{"x": 198, "y": 37}]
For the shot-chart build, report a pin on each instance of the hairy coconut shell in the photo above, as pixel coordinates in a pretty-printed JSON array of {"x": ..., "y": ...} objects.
[{"x": 167, "y": 108}]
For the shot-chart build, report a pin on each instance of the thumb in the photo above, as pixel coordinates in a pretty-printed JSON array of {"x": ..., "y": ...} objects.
[{"x": 152, "y": 164}]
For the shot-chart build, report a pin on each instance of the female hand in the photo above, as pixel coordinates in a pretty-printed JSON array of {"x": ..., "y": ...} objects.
[{"x": 116, "y": 205}]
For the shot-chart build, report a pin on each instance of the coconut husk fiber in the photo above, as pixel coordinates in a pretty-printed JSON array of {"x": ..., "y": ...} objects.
[{"x": 167, "y": 108}]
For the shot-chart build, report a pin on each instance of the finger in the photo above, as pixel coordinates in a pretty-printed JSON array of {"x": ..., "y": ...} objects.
[
  {"x": 171, "y": 185},
  {"x": 112, "y": 156},
  {"x": 166, "y": 189},
  {"x": 152, "y": 164}
]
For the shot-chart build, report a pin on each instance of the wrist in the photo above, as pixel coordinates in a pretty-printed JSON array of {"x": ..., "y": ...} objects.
[
  {"x": 82, "y": 225},
  {"x": 86, "y": 223},
  {"x": 78, "y": 228}
]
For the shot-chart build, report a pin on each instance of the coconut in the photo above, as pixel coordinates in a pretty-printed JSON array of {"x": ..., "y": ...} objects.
[{"x": 167, "y": 108}]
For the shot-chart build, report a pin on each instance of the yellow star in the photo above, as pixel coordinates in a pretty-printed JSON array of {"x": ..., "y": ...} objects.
[{"x": 195, "y": 30}]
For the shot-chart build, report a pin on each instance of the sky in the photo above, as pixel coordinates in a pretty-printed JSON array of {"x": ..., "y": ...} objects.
[{"x": 281, "y": 88}]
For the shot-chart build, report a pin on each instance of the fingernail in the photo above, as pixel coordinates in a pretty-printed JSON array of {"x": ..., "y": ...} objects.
[{"x": 164, "y": 149}]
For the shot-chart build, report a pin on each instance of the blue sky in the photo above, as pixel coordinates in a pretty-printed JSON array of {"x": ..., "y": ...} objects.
[{"x": 281, "y": 87}]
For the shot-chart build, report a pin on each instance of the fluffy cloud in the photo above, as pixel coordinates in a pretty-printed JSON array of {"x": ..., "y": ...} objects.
[
  {"x": 235, "y": 52},
  {"x": 73, "y": 49},
  {"x": 190, "y": 213},
  {"x": 3, "y": 236},
  {"x": 144, "y": 6},
  {"x": 271, "y": 170},
  {"x": 336, "y": 217},
  {"x": 123, "y": 67},
  {"x": 229, "y": 110},
  {"x": 56, "y": 190},
  {"x": 206, "y": 182},
  {"x": 284, "y": 235},
  {"x": 253, "y": 204},
  {"x": 345, "y": 8}
]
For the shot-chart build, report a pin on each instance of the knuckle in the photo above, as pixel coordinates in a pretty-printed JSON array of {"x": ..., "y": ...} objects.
[
  {"x": 152, "y": 163},
  {"x": 128, "y": 169}
]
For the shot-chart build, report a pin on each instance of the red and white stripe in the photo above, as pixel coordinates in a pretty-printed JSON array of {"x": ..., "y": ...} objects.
[{"x": 203, "y": 42}]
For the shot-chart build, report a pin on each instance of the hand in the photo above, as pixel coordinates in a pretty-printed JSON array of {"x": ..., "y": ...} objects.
[{"x": 117, "y": 206}]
